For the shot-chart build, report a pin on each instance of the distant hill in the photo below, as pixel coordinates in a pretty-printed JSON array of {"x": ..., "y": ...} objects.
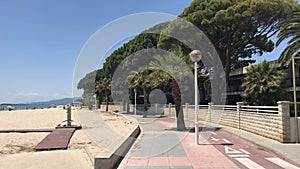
[{"x": 56, "y": 102}]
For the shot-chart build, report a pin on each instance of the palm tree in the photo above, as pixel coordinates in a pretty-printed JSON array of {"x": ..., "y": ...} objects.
[
  {"x": 176, "y": 67},
  {"x": 261, "y": 81},
  {"x": 141, "y": 79},
  {"x": 104, "y": 85},
  {"x": 289, "y": 29}
]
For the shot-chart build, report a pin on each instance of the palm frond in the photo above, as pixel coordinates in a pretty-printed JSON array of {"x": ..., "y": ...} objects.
[{"x": 290, "y": 29}]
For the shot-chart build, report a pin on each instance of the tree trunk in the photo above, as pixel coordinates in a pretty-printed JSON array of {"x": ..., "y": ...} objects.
[
  {"x": 145, "y": 102},
  {"x": 127, "y": 106},
  {"x": 106, "y": 95},
  {"x": 99, "y": 101},
  {"x": 179, "y": 110}
]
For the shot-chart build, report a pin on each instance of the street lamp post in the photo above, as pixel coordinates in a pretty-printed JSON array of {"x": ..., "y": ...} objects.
[
  {"x": 295, "y": 97},
  {"x": 195, "y": 56},
  {"x": 134, "y": 101}
]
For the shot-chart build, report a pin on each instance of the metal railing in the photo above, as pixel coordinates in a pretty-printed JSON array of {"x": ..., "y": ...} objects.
[
  {"x": 199, "y": 106},
  {"x": 224, "y": 107},
  {"x": 158, "y": 108},
  {"x": 261, "y": 109}
]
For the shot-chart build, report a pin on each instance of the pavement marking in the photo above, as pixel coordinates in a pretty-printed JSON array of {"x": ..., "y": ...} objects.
[
  {"x": 244, "y": 151},
  {"x": 214, "y": 139},
  {"x": 281, "y": 163},
  {"x": 249, "y": 163},
  {"x": 238, "y": 155},
  {"x": 229, "y": 150},
  {"x": 214, "y": 133},
  {"x": 226, "y": 140}
]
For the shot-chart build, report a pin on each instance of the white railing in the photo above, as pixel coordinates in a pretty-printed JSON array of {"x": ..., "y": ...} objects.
[
  {"x": 224, "y": 107},
  {"x": 199, "y": 106},
  {"x": 152, "y": 109},
  {"x": 257, "y": 109},
  {"x": 260, "y": 109}
]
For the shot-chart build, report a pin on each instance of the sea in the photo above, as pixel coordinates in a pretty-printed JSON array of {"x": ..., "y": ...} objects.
[{"x": 4, "y": 107}]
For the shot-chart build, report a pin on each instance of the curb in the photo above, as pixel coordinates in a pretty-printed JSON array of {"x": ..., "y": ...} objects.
[
  {"x": 115, "y": 159},
  {"x": 137, "y": 140}
]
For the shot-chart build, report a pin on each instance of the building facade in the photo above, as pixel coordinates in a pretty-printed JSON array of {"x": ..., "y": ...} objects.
[{"x": 237, "y": 76}]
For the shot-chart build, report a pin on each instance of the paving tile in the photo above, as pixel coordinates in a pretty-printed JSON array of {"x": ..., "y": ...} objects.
[
  {"x": 134, "y": 167},
  {"x": 165, "y": 154},
  {"x": 158, "y": 167},
  {"x": 179, "y": 161},
  {"x": 205, "y": 156},
  {"x": 138, "y": 162},
  {"x": 181, "y": 167},
  {"x": 177, "y": 151},
  {"x": 148, "y": 126},
  {"x": 158, "y": 161},
  {"x": 159, "y": 145},
  {"x": 143, "y": 147},
  {"x": 166, "y": 148}
]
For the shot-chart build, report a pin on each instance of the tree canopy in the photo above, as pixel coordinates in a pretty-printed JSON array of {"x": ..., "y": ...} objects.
[
  {"x": 142, "y": 41},
  {"x": 88, "y": 85},
  {"x": 290, "y": 28},
  {"x": 239, "y": 29}
]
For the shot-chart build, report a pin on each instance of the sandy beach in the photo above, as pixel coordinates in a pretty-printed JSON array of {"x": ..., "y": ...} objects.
[{"x": 14, "y": 145}]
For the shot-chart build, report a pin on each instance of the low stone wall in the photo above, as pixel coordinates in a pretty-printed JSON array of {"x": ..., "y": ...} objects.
[
  {"x": 113, "y": 160},
  {"x": 113, "y": 108},
  {"x": 273, "y": 126},
  {"x": 171, "y": 112},
  {"x": 266, "y": 125},
  {"x": 224, "y": 117}
]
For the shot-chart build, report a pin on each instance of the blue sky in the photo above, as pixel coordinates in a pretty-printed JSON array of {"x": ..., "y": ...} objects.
[{"x": 40, "y": 41}]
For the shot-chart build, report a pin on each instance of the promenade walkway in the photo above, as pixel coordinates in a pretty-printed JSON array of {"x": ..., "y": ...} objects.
[{"x": 161, "y": 146}]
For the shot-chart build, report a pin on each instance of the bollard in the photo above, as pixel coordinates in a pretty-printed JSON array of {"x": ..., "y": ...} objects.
[{"x": 69, "y": 120}]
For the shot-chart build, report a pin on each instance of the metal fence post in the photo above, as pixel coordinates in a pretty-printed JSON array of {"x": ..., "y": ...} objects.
[
  {"x": 209, "y": 110},
  {"x": 238, "y": 109}
]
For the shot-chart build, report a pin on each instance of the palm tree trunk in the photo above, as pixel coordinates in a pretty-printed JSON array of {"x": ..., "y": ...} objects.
[
  {"x": 179, "y": 110},
  {"x": 145, "y": 102},
  {"x": 106, "y": 95},
  {"x": 100, "y": 102}
]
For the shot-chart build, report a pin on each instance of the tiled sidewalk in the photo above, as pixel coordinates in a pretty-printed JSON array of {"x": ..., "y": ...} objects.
[{"x": 160, "y": 146}]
